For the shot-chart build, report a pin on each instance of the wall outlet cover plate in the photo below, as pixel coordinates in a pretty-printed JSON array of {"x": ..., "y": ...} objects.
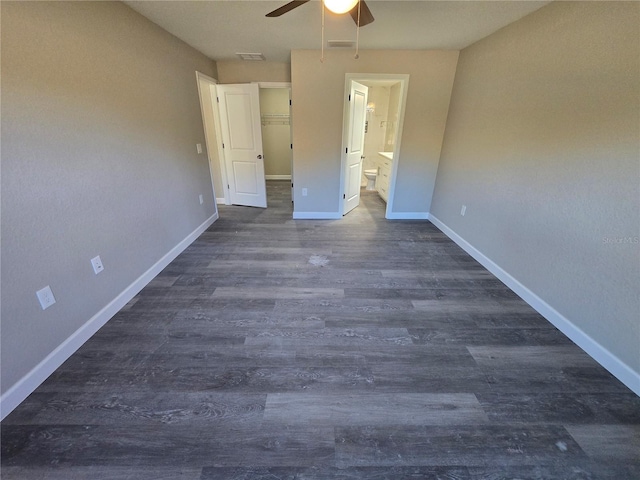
[
  {"x": 96, "y": 263},
  {"x": 46, "y": 298}
]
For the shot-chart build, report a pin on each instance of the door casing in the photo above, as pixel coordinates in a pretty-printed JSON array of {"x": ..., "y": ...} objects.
[
  {"x": 363, "y": 78},
  {"x": 206, "y": 93},
  {"x": 286, "y": 85}
]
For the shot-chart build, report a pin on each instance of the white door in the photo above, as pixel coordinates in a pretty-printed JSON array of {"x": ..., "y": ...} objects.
[
  {"x": 242, "y": 143},
  {"x": 357, "y": 115}
]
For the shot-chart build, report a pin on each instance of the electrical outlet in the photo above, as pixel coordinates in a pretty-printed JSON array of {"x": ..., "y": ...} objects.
[
  {"x": 304, "y": 192},
  {"x": 46, "y": 298},
  {"x": 96, "y": 263},
  {"x": 201, "y": 199},
  {"x": 199, "y": 147},
  {"x": 463, "y": 210}
]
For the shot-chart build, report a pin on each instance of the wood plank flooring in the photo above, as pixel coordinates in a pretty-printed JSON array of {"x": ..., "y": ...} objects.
[{"x": 358, "y": 348}]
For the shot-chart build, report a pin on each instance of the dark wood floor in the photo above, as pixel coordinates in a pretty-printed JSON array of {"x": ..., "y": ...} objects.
[{"x": 352, "y": 349}]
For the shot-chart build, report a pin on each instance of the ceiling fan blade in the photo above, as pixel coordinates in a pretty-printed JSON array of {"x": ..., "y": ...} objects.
[
  {"x": 366, "y": 16},
  {"x": 286, "y": 8}
]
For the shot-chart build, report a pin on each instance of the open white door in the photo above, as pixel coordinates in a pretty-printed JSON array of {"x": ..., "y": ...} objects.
[
  {"x": 357, "y": 115},
  {"x": 242, "y": 143}
]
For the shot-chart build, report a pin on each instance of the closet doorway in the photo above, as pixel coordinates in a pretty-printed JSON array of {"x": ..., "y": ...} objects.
[{"x": 275, "y": 117}]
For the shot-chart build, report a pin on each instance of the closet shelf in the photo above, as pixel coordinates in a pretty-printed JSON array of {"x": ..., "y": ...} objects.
[{"x": 275, "y": 119}]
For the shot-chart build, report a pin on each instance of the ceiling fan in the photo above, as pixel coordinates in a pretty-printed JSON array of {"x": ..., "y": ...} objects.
[{"x": 336, "y": 6}]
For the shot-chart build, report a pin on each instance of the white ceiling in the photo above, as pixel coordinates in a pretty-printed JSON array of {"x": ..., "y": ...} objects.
[{"x": 222, "y": 28}]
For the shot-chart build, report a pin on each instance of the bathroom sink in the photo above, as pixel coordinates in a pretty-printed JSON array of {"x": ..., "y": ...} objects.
[{"x": 388, "y": 155}]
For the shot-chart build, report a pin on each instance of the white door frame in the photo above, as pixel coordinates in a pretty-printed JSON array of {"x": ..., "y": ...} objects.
[
  {"x": 211, "y": 83},
  {"x": 403, "y": 79},
  {"x": 208, "y": 96},
  {"x": 286, "y": 85}
]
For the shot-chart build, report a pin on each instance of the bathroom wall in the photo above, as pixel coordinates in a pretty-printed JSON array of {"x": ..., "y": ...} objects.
[
  {"x": 276, "y": 132},
  {"x": 375, "y": 136},
  {"x": 392, "y": 119}
]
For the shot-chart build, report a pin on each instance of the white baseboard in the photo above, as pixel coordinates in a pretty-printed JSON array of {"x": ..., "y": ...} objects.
[
  {"x": 408, "y": 216},
  {"x": 277, "y": 177},
  {"x": 604, "y": 357},
  {"x": 317, "y": 215},
  {"x": 27, "y": 384}
]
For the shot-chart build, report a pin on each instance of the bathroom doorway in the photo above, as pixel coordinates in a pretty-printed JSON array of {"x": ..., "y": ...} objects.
[{"x": 383, "y": 121}]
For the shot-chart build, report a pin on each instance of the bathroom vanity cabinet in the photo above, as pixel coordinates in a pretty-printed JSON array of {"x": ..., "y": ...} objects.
[{"x": 385, "y": 160}]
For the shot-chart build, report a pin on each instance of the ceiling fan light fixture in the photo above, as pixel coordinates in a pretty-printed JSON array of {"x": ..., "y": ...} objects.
[{"x": 340, "y": 6}]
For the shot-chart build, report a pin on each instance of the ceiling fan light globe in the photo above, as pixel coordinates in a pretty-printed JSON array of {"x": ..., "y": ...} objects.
[{"x": 340, "y": 6}]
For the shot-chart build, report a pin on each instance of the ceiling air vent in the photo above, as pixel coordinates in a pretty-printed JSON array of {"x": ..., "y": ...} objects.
[
  {"x": 340, "y": 44},
  {"x": 253, "y": 57}
]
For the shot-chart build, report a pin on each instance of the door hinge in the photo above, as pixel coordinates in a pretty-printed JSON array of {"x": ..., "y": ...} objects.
[
  {"x": 346, "y": 150},
  {"x": 291, "y": 146},
  {"x": 349, "y": 97},
  {"x": 289, "y": 102},
  {"x": 222, "y": 144},
  {"x": 291, "y": 184},
  {"x": 228, "y": 186},
  {"x": 218, "y": 99},
  {"x": 344, "y": 196}
]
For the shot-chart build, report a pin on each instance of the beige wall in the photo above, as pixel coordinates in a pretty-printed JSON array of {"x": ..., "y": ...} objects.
[
  {"x": 318, "y": 94},
  {"x": 240, "y": 71},
  {"x": 100, "y": 120},
  {"x": 542, "y": 146}
]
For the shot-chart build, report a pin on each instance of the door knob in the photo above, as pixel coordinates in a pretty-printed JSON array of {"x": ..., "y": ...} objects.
[{"x": 259, "y": 157}]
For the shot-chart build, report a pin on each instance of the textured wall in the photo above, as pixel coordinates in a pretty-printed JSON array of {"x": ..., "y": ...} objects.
[
  {"x": 100, "y": 120},
  {"x": 239, "y": 71},
  {"x": 542, "y": 146}
]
